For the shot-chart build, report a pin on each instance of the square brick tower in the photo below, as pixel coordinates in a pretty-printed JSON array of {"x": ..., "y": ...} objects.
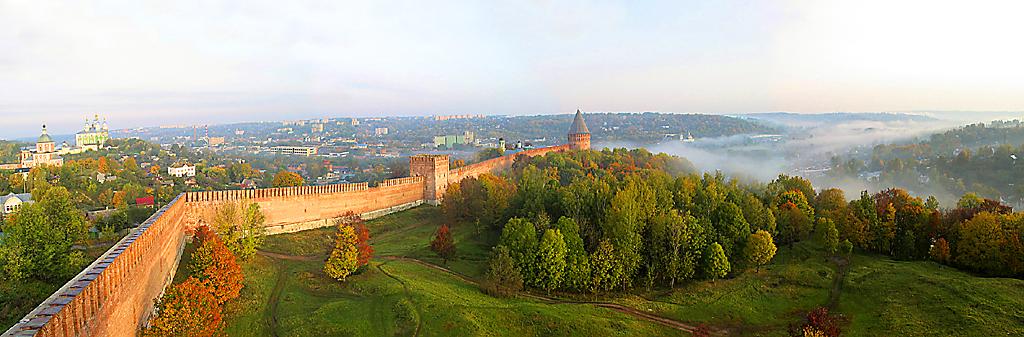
[{"x": 434, "y": 170}]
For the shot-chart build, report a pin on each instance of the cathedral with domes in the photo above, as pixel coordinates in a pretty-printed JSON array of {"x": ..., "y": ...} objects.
[
  {"x": 45, "y": 153},
  {"x": 93, "y": 137}
]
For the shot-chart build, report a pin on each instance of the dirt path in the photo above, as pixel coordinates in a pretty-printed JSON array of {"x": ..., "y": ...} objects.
[
  {"x": 275, "y": 297},
  {"x": 842, "y": 265},
  {"x": 405, "y": 286},
  {"x": 288, "y": 257}
]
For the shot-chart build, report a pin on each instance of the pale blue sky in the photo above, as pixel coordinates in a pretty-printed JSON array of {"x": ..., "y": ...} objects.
[{"x": 145, "y": 64}]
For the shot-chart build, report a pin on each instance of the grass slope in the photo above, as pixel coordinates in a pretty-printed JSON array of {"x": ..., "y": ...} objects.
[{"x": 402, "y": 298}]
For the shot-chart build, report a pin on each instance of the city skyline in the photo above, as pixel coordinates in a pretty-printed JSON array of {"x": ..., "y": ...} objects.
[{"x": 216, "y": 62}]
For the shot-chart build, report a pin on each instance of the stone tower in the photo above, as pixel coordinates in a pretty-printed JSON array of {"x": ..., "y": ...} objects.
[
  {"x": 434, "y": 170},
  {"x": 579, "y": 135}
]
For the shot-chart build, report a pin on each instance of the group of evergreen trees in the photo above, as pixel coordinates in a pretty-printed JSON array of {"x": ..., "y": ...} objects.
[{"x": 616, "y": 219}]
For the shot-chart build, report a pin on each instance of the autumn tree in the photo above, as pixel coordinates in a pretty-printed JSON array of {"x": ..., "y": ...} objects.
[
  {"x": 443, "y": 243},
  {"x": 818, "y": 322},
  {"x": 344, "y": 258},
  {"x": 760, "y": 249},
  {"x": 550, "y": 260},
  {"x": 940, "y": 251},
  {"x": 980, "y": 243},
  {"x": 186, "y": 309},
  {"x": 717, "y": 264},
  {"x": 793, "y": 224},
  {"x": 365, "y": 250},
  {"x": 287, "y": 179},
  {"x": 215, "y": 265}
]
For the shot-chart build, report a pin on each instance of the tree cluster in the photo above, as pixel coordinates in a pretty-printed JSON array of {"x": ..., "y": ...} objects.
[
  {"x": 194, "y": 307},
  {"x": 626, "y": 219},
  {"x": 352, "y": 249}
]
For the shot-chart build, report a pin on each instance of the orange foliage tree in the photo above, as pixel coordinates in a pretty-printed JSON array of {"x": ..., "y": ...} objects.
[
  {"x": 362, "y": 243},
  {"x": 187, "y": 309},
  {"x": 215, "y": 265},
  {"x": 443, "y": 244},
  {"x": 288, "y": 179}
]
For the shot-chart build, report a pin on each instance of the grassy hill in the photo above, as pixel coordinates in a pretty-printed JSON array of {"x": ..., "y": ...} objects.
[{"x": 286, "y": 294}]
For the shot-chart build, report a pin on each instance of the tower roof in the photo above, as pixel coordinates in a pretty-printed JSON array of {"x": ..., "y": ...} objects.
[
  {"x": 45, "y": 137},
  {"x": 578, "y": 125}
]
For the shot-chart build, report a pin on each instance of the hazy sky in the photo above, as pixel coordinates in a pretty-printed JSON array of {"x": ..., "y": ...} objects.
[{"x": 142, "y": 63}]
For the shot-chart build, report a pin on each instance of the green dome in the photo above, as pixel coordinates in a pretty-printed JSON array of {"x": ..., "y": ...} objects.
[{"x": 45, "y": 137}]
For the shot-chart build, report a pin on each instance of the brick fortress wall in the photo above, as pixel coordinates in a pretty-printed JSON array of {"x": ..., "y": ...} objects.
[{"x": 114, "y": 295}]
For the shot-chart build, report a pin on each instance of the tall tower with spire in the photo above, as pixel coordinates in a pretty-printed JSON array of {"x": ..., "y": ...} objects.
[{"x": 579, "y": 135}]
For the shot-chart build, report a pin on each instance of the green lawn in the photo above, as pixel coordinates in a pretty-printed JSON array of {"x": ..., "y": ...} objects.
[
  {"x": 403, "y": 298},
  {"x": 400, "y": 298}
]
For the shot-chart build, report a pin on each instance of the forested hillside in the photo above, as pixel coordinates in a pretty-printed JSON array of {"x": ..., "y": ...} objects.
[{"x": 977, "y": 158}]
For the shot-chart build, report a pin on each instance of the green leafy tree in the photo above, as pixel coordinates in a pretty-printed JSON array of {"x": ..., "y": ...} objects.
[
  {"x": 732, "y": 229},
  {"x": 717, "y": 264},
  {"x": 39, "y": 239},
  {"x": 828, "y": 235},
  {"x": 520, "y": 237},
  {"x": 240, "y": 226},
  {"x": 577, "y": 263},
  {"x": 846, "y": 247},
  {"x": 756, "y": 214},
  {"x": 550, "y": 260},
  {"x": 630, "y": 209},
  {"x": 760, "y": 249},
  {"x": 503, "y": 278},
  {"x": 606, "y": 272}
]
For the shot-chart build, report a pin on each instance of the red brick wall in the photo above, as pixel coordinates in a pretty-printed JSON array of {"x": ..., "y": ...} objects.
[
  {"x": 114, "y": 295},
  {"x": 498, "y": 164},
  {"x": 288, "y": 205}
]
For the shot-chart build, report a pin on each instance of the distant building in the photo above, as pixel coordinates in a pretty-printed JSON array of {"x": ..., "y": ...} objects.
[
  {"x": 182, "y": 170},
  {"x": 145, "y": 201},
  {"x": 295, "y": 150},
  {"x": 102, "y": 178},
  {"x": 380, "y": 131},
  {"x": 12, "y": 202},
  {"x": 316, "y": 128},
  {"x": 214, "y": 141},
  {"x": 449, "y": 141},
  {"x": 447, "y": 117},
  {"x": 45, "y": 153},
  {"x": 93, "y": 136},
  {"x": 355, "y": 122}
]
